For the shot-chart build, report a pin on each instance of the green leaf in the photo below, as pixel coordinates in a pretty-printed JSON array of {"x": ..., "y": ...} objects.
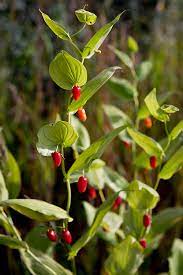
[
  {"x": 91, "y": 87},
  {"x": 169, "y": 109},
  {"x": 176, "y": 130},
  {"x": 173, "y": 165},
  {"x": 53, "y": 135},
  {"x": 122, "y": 88},
  {"x": 94, "y": 151},
  {"x": 86, "y": 17},
  {"x": 39, "y": 263},
  {"x": 89, "y": 234},
  {"x": 96, "y": 41},
  {"x": 3, "y": 189},
  {"x": 141, "y": 196},
  {"x": 12, "y": 242},
  {"x": 83, "y": 141},
  {"x": 149, "y": 145},
  {"x": 133, "y": 222},
  {"x": 55, "y": 27},
  {"x": 166, "y": 219},
  {"x": 125, "y": 258},
  {"x": 114, "y": 180},
  {"x": 5, "y": 224},
  {"x": 12, "y": 175},
  {"x": 123, "y": 57},
  {"x": 37, "y": 210},
  {"x": 97, "y": 164},
  {"x": 154, "y": 107},
  {"x": 66, "y": 71},
  {"x": 132, "y": 44},
  {"x": 96, "y": 177},
  {"x": 176, "y": 259},
  {"x": 143, "y": 70}
]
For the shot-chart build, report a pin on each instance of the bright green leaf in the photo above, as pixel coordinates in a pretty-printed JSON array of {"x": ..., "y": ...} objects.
[
  {"x": 91, "y": 87},
  {"x": 176, "y": 259},
  {"x": 96, "y": 41},
  {"x": 122, "y": 88},
  {"x": 176, "y": 130},
  {"x": 133, "y": 222},
  {"x": 86, "y": 17},
  {"x": 37, "y": 210},
  {"x": 12, "y": 242},
  {"x": 123, "y": 57},
  {"x": 169, "y": 109},
  {"x": 66, "y": 71},
  {"x": 172, "y": 165},
  {"x": 132, "y": 44},
  {"x": 143, "y": 70},
  {"x": 96, "y": 164},
  {"x": 3, "y": 189},
  {"x": 53, "y": 135},
  {"x": 83, "y": 140}
]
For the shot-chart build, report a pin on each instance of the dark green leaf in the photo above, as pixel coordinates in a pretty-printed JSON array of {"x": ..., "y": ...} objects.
[
  {"x": 122, "y": 88},
  {"x": 12, "y": 242}
]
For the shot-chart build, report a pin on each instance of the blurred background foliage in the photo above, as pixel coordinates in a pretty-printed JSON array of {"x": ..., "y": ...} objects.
[{"x": 28, "y": 98}]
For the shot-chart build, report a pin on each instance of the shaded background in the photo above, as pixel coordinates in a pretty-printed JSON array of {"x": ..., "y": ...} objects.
[{"x": 28, "y": 98}]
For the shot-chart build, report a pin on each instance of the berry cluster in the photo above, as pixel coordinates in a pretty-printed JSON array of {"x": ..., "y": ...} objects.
[{"x": 65, "y": 235}]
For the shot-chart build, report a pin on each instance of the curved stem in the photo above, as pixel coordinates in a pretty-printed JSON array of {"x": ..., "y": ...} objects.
[{"x": 80, "y": 30}]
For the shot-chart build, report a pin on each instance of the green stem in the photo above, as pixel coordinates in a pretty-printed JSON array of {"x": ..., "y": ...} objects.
[
  {"x": 75, "y": 47},
  {"x": 80, "y": 30},
  {"x": 101, "y": 194},
  {"x": 74, "y": 266}
]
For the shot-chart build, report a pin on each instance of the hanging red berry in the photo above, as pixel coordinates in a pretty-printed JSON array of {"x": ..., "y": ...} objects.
[
  {"x": 66, "y": 235},
  {"x": 92, "y": 194},
  {"x": 76, "y": 92},
  {"x": 127, "y": 144},
  {"x": 57, "y": 158},
  {"x": 153, "y": 162},
  {"x": 81, "y": 114},
  {"x": 117, "y": 203},
  {"x": 146, "y": 220},
  {"x": 52, "y": 235},
  {"x": 82, "y": 184},
  {"x": 143, "y": 243},
  {"x": 148, "y": 122}
]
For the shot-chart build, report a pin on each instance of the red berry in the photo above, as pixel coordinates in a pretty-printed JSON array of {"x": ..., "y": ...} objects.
[
  {"x": 148, "y": 122},
  {"x": 147, "y": 220},
  {"x": 81, "y": 114},
  {"x": 82, "y": 184},
  {"x": 153, "y": 162},
  {"x": 92, "y": 194},
  {"x": 127, "y": 144},
  {"x": 52, "y": 235},
  {"x": 67, "y": 237},
  {"x": 143, "y": 243},
  {"x": 57, "y": 158},
  {"x": 117, "y": 203},
  {"x": 76, "y": 92}
]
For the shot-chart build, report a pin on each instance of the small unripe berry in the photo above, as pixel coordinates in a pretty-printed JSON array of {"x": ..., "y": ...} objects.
[
  {"x": 66, "y": 235},
  {"x": 148, "y": 122},
  {"x": 57, "y": 158},
  {"x": 52, "y": 235},
  {"x": 127, "y": 144},
  {"x": 81, "y": 114},
  {"x": 143, "y": 243},
  {"x": 117, "y": 203},
  {"x": 82, "y": 184},
  {"x": 76, "y": 92},
  {"x": 92, "y": 194},
  {"x": 153, "y": 162},
  {"x": 146, "y": 220}
]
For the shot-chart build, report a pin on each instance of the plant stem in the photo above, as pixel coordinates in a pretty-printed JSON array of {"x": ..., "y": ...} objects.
[
  {"x": 75, "y": 47},
  {"x": 67, "y": 183},
  {"x": 101, "y": 195},
  {"x": 80, "y": 30},
  {"x": 74, "y": 266}
]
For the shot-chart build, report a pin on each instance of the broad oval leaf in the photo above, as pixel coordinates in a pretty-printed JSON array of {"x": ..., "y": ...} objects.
[
  {"x": 125, "y": 258},
  {"x": 37, "y": 210},
  {"x": 96, "y": 177},
  {"x": 96, "y": 41},
  {"x": 86, "y": 17},
  {"x": 55, "y": 27},
  {"x": 176, "y": 130},
  {"x": 12, "y": 242},
  {"x": 3, "y": 189},
  {"x": 53, "y": 135},
  {"x": 89, "y": 234},
  {"x": 173, "y": 165},
  {"x": 123, "y": 57},
  {"x": 176, "y": 259},
  {"x": 154, "y": 107},
  {"x": 133, "y": 222},
  {"x": 122, "y": 88},
  {"x": 91, "y": 87},
  {"x": 141, "y": 196},
  {"x": 143, "y": 70},
  {"x": 94, "y": 151},
  {"x": 149, "y": 145},
  {"x": 132, "y": 44},
  {"x": 66, "y": 71},
  {"x": 83, "y": 141}
]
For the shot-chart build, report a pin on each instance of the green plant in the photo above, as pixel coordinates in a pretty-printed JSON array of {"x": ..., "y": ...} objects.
[{"x": 126, "y": 230}]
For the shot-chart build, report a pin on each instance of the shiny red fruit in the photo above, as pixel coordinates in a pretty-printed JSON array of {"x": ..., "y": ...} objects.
[
  {"x": 82, "y": 184},
  {"x": 81, "y": 114},
  {"x": 147, "y": 220},
  {"x": 52, "y": 235},
  {"x": 92, "y": 194},
  {"x": 76, "y": 92},
  {"x": 153, "y": 162},
  {"x": 67, "y": 237},
  {"x": 57, "y": 158},
  {"x": 143, "y": 243},
  {"x": 148, "y": 122},
  {"x": 117, "y": 203},
  {"x": 127, "y": 144}
]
